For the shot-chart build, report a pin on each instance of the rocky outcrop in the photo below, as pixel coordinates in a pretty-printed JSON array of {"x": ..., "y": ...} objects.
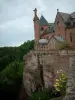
[
  {"x": 51, "y": 63},
  {"x": 32, "y": 76},
  {"x": 30, "y": 70}
]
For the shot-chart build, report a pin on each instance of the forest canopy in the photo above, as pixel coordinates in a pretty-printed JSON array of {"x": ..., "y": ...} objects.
[{"x": 11, "y": 69}]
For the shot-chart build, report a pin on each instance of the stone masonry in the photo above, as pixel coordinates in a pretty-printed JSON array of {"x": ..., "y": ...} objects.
[
  {"x": 52, "y": 62},
  {"x": 70, "y": 93}
]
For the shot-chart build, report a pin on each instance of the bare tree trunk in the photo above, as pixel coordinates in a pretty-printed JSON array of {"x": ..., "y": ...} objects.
[{"x": 40, "y": 67}]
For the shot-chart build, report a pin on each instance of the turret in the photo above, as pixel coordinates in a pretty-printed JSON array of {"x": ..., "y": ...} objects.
[{"x": 36, "y": 27}]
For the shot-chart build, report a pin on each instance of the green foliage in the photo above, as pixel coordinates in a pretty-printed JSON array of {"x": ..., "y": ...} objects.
[
  {"x": 11, "y": 79},
  {"x": 41, "y": 95},
  {"x": 64, "y": 45},
  {"x": 12, "y": 73},
  {"x": 9, "y": 54},
  {"x": 11, "y": 67},
  {"x": 45, "y": 94},
  {"x": 60, "y": 83}
]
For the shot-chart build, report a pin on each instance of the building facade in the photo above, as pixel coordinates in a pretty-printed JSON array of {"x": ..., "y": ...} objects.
[{"x": 48, "y": 35}]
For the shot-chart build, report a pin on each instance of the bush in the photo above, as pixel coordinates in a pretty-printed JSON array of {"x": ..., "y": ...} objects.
[
  {"x": 60, "y": 83},
  {"x": 64, "y": 45},
  {"x": 45, "y": 94}
]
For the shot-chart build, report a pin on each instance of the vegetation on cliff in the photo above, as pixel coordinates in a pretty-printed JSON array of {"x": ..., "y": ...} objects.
[
  {"x": 60, "y": 83},
  {"x": 11, "y": 69},
  {"x": 59, "y": 89}
]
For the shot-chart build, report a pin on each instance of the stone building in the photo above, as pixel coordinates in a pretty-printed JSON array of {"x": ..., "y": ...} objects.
[{"x": 48, "y": 35}]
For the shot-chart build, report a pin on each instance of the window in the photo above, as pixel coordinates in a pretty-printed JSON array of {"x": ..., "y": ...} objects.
[
  {"x": 57, "y": 22},
  {"x": 71, "y": 37},
  {"x": 58, "y": 25}
]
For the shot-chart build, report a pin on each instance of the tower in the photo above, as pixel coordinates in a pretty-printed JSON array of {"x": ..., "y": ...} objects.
[{"x": 36, "y": 27}]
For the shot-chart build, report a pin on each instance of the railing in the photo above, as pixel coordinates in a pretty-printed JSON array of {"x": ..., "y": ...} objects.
[{"x": 55, "y": 52}]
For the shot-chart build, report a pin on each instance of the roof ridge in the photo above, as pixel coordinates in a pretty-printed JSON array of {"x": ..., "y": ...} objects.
[
  {"x": 73, "y": 12},
  {"x": 65, "y": 13},
  {"x": 64, "y": 16}
]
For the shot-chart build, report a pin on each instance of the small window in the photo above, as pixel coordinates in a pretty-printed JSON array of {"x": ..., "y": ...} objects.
[
  {"x": 57, "y": 22},
  {"x": 71, "y": 37}
]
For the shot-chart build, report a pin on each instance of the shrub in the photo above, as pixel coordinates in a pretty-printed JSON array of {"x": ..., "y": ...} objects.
[
  {"x": 40, "y": 95},
  {"x": 60, "y": 83},
  {"x": 45, "y": 94},
  {"x": 64, "y": 45}
]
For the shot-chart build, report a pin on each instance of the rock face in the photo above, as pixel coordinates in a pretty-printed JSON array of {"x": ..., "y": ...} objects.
[
  {"x": 30, "y": 69},
  {"x": 31, "y": 75},
  {"x": 50, "y": 63},
  {"x": 70, "y": 93}
]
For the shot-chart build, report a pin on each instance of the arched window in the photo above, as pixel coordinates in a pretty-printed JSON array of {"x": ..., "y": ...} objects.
[
  {"x": 71, "y": 37},
  {"x": 57, "y": 22}
]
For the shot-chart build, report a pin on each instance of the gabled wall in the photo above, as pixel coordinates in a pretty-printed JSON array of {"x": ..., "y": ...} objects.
[{"x": 59, "y": 25}]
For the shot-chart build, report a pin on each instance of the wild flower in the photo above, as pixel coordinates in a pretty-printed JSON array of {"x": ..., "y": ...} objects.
[{"x": 60, "y": 83}]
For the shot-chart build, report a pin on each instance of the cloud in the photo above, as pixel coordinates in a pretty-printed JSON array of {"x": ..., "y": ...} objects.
[
  {"x": 16, "y": 31},
  {"x": 16, "y": 17}
]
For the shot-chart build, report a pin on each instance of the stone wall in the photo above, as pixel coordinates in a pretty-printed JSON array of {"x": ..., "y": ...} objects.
[{"x": 70, "y": 92}]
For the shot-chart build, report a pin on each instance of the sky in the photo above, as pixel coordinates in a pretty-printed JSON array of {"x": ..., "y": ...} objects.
[{"x": 16, "y": 18}]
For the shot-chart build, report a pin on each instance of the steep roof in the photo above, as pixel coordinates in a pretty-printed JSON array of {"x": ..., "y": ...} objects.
[
  {"x": 43, "y": 21},
  {"x": 59, "y": 38},
  {"x": 52, "y": 27},
  {"x": 71, "y": 21},
  {"x": 65, "y": 16},
  {"x": 73, "y": 14}
]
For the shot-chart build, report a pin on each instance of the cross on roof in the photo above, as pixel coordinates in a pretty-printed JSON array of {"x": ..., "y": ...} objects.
[{"x": 35, "y": 11}]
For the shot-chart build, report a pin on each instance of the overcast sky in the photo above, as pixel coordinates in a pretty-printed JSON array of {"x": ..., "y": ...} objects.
[{"x": 16, "y": 17}]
